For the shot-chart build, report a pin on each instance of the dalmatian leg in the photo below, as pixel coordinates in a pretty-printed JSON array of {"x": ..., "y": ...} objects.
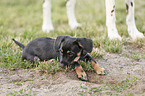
[
  {"x": 47, "y": 23},
  {"x": 130, "y": 21},
  {"x": 70, "y": 5},
  {"x": 110, "y": 20}
]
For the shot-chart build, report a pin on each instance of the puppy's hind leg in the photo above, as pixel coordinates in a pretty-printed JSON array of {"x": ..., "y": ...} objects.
[
  {"x": 36, "y": 59},
  {"x": 31, "y": 58}
]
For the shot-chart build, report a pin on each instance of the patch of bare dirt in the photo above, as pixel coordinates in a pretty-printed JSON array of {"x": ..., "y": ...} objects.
[{"x": 118, "y": 66}]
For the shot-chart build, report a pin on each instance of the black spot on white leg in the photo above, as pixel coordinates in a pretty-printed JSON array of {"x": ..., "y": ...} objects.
[
  {"x": 112, "y": 11},
  {"x": 114, "y": 6},
  {"x": 131, "y": 4},
  {"x": 127, "y": 7}
]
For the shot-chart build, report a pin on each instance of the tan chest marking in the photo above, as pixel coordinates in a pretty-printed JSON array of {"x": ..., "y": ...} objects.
[{"x": 78, "y": 56}]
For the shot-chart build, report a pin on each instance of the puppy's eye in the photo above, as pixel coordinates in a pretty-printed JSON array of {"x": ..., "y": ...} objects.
[{"x": 71, "y": 54}]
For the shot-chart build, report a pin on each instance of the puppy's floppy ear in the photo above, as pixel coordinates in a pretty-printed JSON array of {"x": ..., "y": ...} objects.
[
  {"x": 59, "y": 40},
  {"x": 85, "y": 43}
]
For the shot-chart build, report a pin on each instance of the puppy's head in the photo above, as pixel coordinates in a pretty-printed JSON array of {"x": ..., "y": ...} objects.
[{"x": 70, "y": 48}]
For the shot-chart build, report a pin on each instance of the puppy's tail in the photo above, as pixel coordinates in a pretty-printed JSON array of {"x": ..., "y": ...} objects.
[{"x": 19, "y": 44}]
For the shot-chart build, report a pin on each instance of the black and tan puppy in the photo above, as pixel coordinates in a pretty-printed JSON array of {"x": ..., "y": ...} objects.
[{"x": 68, "y": 50}]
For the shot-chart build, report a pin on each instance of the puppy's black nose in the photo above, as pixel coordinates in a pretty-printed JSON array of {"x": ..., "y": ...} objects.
[{"x": 63, "y": 62}]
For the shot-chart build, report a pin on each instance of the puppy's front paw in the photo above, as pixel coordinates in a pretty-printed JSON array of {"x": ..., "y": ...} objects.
[
  {"x": 81, "y": 73},
  {"x": 98, "y": 69},
  {"x": 101, "y": 71},
  {"x": 83, "y": 76}
]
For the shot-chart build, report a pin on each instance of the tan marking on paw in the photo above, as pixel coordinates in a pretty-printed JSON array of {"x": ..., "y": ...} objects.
[
  {"x": 81, "y": 73},
  {"x": 97, "y": 68}
]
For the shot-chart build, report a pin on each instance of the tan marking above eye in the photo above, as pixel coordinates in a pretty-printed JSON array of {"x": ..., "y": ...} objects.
[
  {"x": 61, "y": 50},
  {"x": 78, "y": 54},
  {"x": 68, "y": 51}
]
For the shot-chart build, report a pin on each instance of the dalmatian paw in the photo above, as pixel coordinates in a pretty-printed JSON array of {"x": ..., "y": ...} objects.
[
  {"x": 135, "y": 34},
  {"x": 114, "y": 36},
  {"x": 75, "y": 25},
  {"x": 47, "y": 28}
]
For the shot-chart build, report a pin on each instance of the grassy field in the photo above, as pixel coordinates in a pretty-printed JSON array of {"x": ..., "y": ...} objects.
[{"x": 22, "y": 20}]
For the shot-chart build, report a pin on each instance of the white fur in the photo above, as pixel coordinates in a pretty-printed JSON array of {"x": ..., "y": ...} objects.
[
  {"x": 71, "y": 14},
  {"x": 47, "y": 23},
  {"x": 130, "y": 21},
  {"x": 110, "y": 18}
]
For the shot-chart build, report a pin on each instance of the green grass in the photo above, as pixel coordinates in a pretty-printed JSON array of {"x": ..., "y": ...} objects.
[
  {"x": 22, "y": 92},
  {"x": 50, "y": 67},
  {"x": 122, "y": 86},
  {"x": 22, "y": 20}
]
